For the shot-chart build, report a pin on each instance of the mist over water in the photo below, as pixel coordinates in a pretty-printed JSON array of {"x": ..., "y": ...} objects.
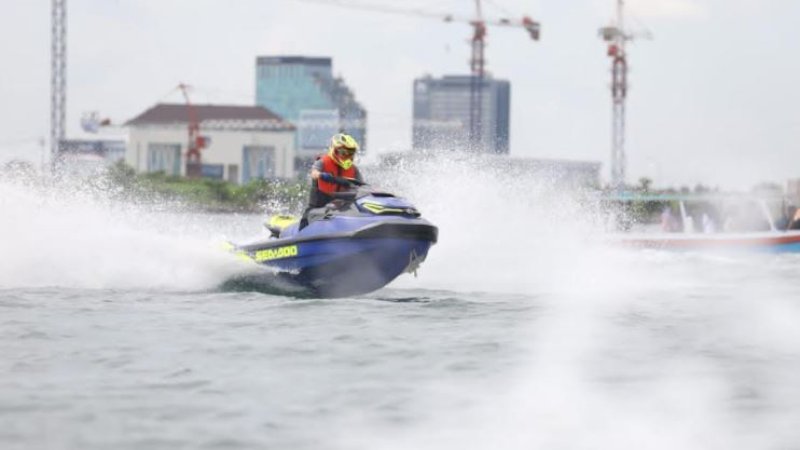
[
  {"x": 76, "y": 236},
  {"x": 498, "y": 232},
  {"x": 624, "y": 349},
  {"x": 522, "y": 330}
]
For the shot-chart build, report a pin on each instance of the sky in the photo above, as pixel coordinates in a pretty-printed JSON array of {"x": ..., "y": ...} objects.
[{"x": 713, "y": 95}]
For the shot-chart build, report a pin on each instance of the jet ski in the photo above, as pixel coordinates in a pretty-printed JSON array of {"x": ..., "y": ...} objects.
[{"x": 358, "y": 243}]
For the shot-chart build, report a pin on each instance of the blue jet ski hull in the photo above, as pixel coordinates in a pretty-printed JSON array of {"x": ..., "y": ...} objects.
[{"x": 346, "y": 256}]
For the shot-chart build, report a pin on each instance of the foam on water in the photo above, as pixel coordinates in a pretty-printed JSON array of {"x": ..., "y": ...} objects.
[{"x": 77, "y": 237}]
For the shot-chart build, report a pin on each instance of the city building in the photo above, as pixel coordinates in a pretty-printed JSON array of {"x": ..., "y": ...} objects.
[
  {"x": 241, "y": 143},
  {"x": 110, "y": 150},
  {"x": 561, "y": 173},
  {"x": 442, "y": 113},
  {"x": 557, "y": 173},
  {"x": 88, "y": 156},
  {"x": 304, "y": 91}
]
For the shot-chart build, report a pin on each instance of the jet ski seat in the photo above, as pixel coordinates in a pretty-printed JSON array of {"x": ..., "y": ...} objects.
[
  {"x": 277, "y": 224},
  {"x": 315, "y": 214}
]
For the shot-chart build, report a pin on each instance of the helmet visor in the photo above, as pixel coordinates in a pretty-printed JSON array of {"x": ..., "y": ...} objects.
[{"x": 344, "y": 152}]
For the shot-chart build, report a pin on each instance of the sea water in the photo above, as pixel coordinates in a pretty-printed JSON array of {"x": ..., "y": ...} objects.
[{"x": 522, "y": 330}]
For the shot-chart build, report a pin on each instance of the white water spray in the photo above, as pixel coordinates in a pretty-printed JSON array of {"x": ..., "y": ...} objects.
[
  {"x": 70, "y": 237},
  {"x": 629, "y": 348}
]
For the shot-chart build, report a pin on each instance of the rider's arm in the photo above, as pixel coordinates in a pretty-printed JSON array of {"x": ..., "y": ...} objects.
[
  {"x": 316, "y": 169},
  {"x": 317, "y": 173}
]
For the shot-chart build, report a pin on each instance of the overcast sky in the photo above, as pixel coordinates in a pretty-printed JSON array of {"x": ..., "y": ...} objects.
[{"x": 714, "y": 96}]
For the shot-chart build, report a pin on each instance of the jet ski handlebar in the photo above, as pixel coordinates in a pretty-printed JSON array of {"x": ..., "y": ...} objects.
[
  {"x": 341, "y": 181},
  {"x": 358, "y": 191},
  {"x": 350, "y": 182},
  {"x": 348, "y": 195}
]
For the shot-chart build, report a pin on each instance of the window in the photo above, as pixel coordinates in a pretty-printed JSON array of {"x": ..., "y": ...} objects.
[
  {"x": 258, "y": 162},
  {"x": 233, "y": 173},
  {"x": 164, "y": 158}
]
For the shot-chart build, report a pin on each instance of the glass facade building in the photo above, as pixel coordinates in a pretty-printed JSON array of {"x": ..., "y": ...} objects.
[
  {"x": 442, "y": 113},
  {"x": 304, "y": 91}
]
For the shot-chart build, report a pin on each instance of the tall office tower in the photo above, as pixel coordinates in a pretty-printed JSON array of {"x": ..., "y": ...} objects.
[
  {"x": 442, "y": 114},
  {"x": 304, "y": 91}
]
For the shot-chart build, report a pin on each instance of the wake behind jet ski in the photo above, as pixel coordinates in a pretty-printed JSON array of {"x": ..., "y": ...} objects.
[{"x": 359, "y": 242}]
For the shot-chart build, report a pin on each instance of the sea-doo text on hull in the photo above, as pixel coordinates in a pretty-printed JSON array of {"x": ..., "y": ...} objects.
[{"x": 356, "y": 244}]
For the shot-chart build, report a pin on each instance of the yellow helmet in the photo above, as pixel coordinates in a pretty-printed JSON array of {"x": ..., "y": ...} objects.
[{"x": 342, "y": 149}]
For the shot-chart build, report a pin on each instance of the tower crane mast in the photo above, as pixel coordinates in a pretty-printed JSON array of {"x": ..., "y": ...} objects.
[
  {"x": 477, "y": 65},
  {"x": 616, "y": 36},
  {"x": 58, "y": 75}
]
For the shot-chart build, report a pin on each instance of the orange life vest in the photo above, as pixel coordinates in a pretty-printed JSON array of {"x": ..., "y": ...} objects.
[{"x": 330, "y": 166}]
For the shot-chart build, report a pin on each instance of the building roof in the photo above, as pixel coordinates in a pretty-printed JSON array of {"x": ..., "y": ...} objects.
[
  {"x": 212, "y": 116},
  {"x": 458, "y": 80},
  {"x": 307, "y": 60}
]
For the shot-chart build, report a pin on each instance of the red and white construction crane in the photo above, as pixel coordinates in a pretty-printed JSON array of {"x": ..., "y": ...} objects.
[
  {"x": 477, "y": 61},
  {"x": 477, "y": 65},
  {"x": 616, "y": 35},
  {"x": 196, "y": 141}
]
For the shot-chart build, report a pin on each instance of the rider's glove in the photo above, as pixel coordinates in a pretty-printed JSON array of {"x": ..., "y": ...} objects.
[{"x": 341, "y": 181}]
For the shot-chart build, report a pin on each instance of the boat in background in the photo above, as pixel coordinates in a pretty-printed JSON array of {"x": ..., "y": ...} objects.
[{"x": 712, "y": 223}]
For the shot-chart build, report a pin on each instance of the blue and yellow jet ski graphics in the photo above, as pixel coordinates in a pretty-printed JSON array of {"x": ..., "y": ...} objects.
[{"x": 356, "y": 244}]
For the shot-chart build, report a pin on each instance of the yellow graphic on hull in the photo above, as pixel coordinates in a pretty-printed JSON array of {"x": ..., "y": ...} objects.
[
  {"x": 241, "y": 254},
  {"x": 376, "y": 208},
  {"x": 275, "y": 253}
]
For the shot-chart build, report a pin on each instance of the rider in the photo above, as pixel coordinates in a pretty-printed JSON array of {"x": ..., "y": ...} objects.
[{"x": 333, "y": 172}]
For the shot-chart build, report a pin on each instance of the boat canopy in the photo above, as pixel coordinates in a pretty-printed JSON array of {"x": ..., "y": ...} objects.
[{"x": 712, "y": 212}]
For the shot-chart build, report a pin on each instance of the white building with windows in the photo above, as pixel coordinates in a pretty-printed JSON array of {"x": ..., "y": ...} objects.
[{"x": 242, "y": 143}]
